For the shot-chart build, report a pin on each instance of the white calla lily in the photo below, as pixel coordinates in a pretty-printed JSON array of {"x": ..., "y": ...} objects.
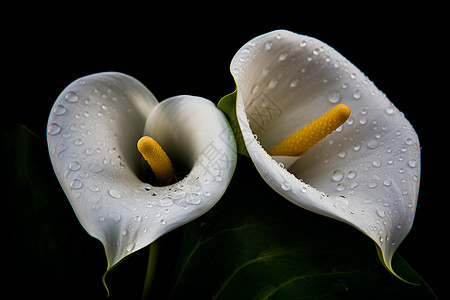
[
  {"x": 366, "y": 173},
  {"x": 92, "y": 133}
]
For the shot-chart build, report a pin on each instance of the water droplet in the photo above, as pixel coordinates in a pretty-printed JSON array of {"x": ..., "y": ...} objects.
[
  {"x": 74, "y": 166},
  {"x": 53, "y": 129},
  {"x": 293, "y": 83},
  {"x": 178, "y": 194},
  {"x": 286, "y": 186},
  {"x": 390, "y": 110},
  {"x": 124, "y": 232},
  {"x": 94, "y": 188},
  {"x": 194, "y": 199},
  {"x": 166, "y": 201},
  {"x": 268, "y": 45},
  {"x": 114, "y": 193},
  {"x": 363, "y": 120},
  {"x": 338, "y": 175},
  {"x": 282, "y": 57},
  {"x": 381, "y": 213},
  {"x": 373, "y": 185},
  {"x": 377, "y": 163},
  {"x": 412, "y": 163},
  {"x": 340, "y": 187},
  {"x": 71, "y": 97},
  {"x": 273, "y": 83},
  {"x": 357, "y": 94},
  {"x": 78, "y": 142},
  {"x": 342, "y": 154},
  {"x": 218, "y": 178},
  {"x": 372, "y": 144},
  {"x": 115, "y": 217},
  {"x": 76, "y": 184},
  {"x": 59, "y": 110},
  {"x": 162, "y": 221},
  {"x": 334, "y": 97},
  {"x": 357, "y": 147},
  {"x": 351, "y": 174},
  {"x": 130, "y": 247}
]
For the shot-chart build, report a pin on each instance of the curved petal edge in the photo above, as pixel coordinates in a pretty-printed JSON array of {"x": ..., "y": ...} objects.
[
  {"x": 92, "y": 133},
  {"x": 366, "y": 173}
]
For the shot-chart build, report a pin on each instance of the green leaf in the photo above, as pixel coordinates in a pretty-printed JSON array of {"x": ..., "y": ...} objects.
[
  {"x": 228, "y": 105},
  {"x": 256, "y": 245}
]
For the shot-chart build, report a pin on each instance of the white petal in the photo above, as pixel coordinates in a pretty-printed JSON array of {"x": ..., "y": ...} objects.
[
  {"x": 196, "y": 133},
  {"x": 92, "y": 134},
  {"x": 366, "y": 173}
]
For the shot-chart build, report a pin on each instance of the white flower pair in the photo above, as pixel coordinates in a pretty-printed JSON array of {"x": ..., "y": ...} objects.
[{"x": 365, "y": 173}]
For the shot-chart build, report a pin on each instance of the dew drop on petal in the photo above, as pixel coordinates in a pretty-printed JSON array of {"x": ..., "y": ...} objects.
[
  {"x": 372, "y": 144},
  {"x": 76, "y": 184},
  {"x": 334, "y": 96},
  {"x": 282, "y": 57},
  {"x": 59, "y": 110},
  {"x": 130, "y": 247},
  {"x": 373, "y": 185},
  {"x": 412, "y": 163},
  {"x": 357, "y": 94},
  {"x": 387, "y": 182},
  {"x": 381, "y": 213},
  {"x": 114, "y": 193},
  {"x": 340, "y": 187},
  {"x": 351, "y": 174},
  {"x": 74, "y": 166},
  {"x": 293, "y": 83},
  {"x": 166, "y": 201},
  {"x": 338, "y": 175},
  {"x": 286, "y": 186},
  {"x": 194, "y": 199},
  {"x": 71, "y": 97},
  {"x": 53, "y": 129},
  {"x": 390, "y": 110},
  {"x": 377, "y": 163}
]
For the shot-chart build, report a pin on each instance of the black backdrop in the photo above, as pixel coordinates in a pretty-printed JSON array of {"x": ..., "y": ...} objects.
[{"x": 174, "y": 51}]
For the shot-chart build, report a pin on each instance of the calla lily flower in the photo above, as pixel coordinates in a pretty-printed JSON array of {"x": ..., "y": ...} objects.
[
  {"x": 365, "y": 173},
  {"x": 93, "y": 131}
]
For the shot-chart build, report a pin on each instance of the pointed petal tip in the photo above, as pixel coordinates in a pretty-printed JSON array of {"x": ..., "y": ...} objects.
[
  {"x": 92, "y": 133},
  {"x": 386, "y": 260},
  {"x": 370, "y": 167}
]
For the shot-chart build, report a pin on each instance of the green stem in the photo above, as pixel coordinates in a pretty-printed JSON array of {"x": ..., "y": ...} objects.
[{"x": 151, "y": 269}]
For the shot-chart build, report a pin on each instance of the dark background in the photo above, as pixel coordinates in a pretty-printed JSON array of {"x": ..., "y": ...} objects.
[{"x": 173, "y": 51}]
